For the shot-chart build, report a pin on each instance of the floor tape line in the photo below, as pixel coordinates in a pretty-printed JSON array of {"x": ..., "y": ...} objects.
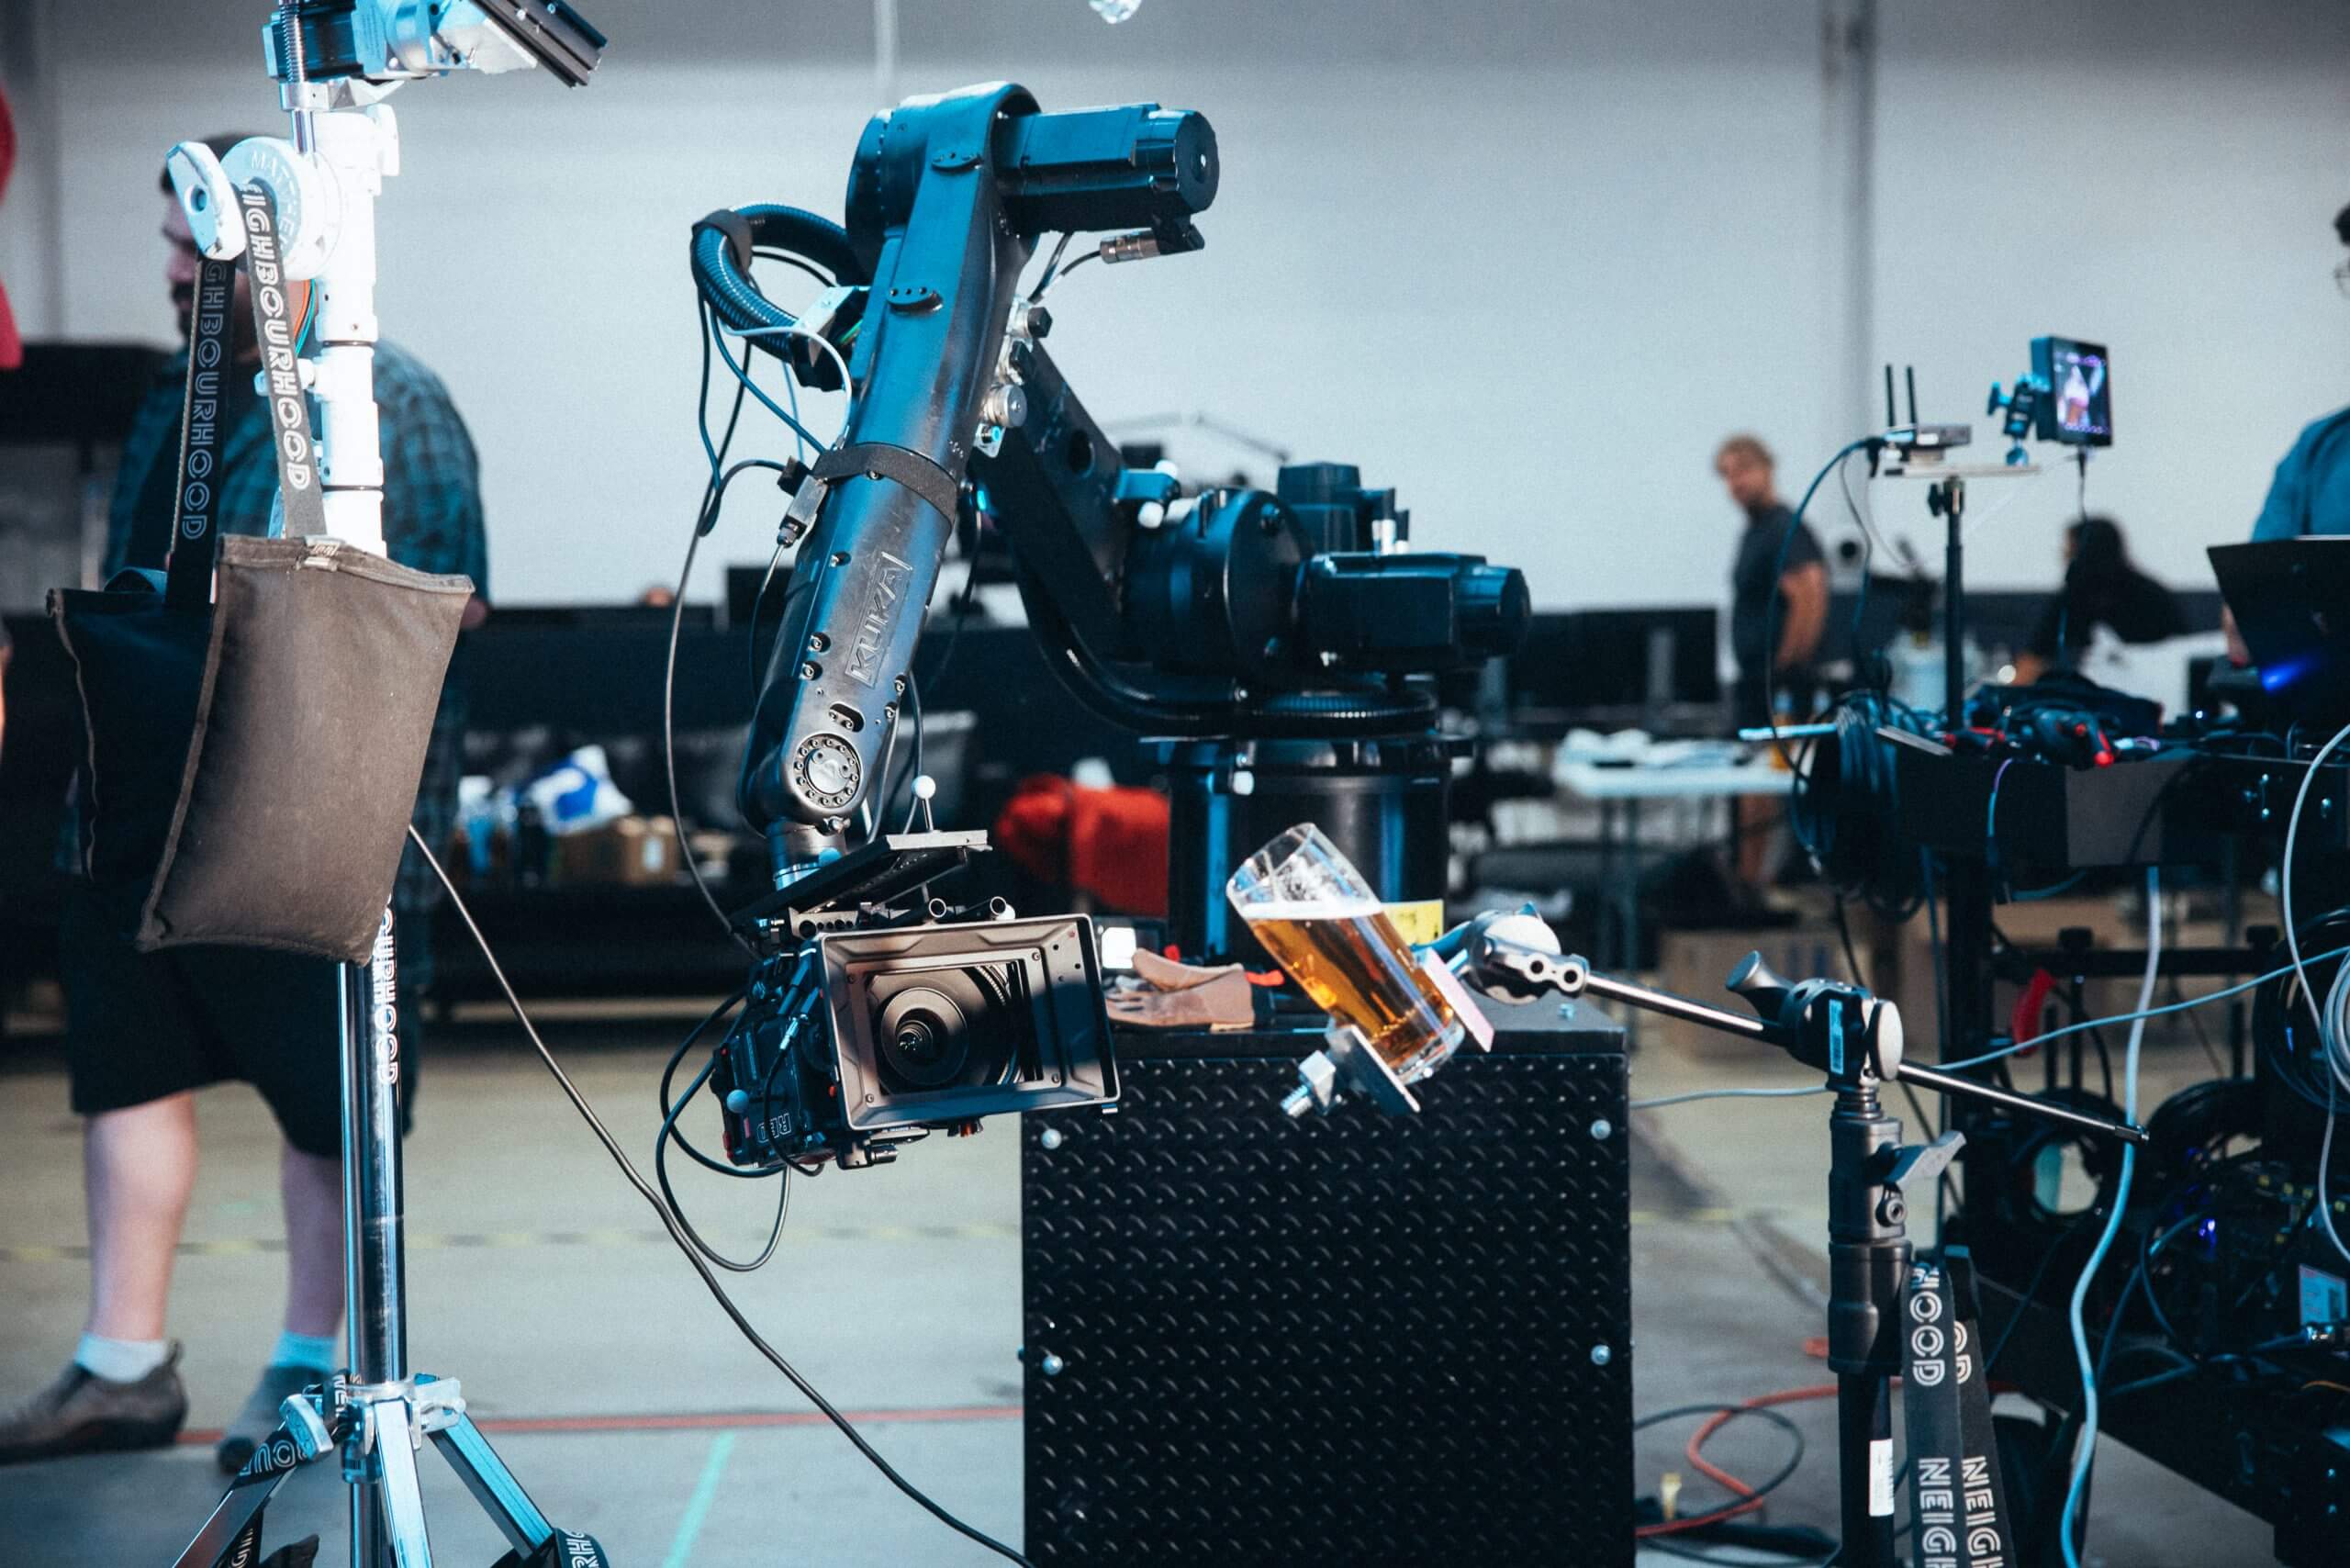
[{"x": 681, "y": 1547}]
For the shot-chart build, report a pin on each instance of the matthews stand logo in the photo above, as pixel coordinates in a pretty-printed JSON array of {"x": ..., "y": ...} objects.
[
  {"x": 281, "y": 375},
  {"x": 216, "y": 283},
  {"x": 383, "y": 1004}
]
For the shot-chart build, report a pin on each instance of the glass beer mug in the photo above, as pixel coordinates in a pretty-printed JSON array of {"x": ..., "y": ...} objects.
[{"x": 1320, "y": 920}]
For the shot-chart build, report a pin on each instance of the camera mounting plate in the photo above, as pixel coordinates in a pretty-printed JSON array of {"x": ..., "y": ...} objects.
[{"x": 859, "y": 888}]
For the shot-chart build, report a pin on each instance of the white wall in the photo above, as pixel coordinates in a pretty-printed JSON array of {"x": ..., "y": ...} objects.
[
  {"x": 2160, "y": 177},
  {"x": 1527, "y": 262}
]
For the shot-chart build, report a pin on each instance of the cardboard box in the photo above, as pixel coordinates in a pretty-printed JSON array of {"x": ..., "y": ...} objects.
[{"x": 631, "y": 852}]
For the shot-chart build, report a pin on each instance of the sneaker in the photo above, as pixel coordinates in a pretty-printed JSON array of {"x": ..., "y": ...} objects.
[
  {"x": 279, "y": 1382},
  {"x": 84, "y": 1413}
]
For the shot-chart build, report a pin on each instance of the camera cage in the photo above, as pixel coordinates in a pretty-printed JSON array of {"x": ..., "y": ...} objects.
[{"x": 860, "y": 886}]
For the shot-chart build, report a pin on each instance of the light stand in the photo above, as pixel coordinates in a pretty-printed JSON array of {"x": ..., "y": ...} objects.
[
  {"x": 376, "y": 1413},
  {"x": 1856, "y": 1040}
]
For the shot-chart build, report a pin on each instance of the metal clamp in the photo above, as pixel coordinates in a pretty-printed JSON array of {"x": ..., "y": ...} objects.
[
  {"x": 440, "y": 1404},
  {"x": 1347, "y": 1062}
]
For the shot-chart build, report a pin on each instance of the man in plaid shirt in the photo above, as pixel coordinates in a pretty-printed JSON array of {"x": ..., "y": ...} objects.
[{"x": 146, "y": 1029}]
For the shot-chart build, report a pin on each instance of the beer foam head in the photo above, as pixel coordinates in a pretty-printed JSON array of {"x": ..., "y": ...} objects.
[{"x": 1313, "y": 909}]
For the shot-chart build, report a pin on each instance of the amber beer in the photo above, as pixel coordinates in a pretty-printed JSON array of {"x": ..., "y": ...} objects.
[{"x": 1357, "y": 967}]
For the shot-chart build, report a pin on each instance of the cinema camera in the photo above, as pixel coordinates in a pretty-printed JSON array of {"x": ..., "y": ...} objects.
[
  {"x": 1280, "y": 643},
  {"x": 874, "y": 1020}
]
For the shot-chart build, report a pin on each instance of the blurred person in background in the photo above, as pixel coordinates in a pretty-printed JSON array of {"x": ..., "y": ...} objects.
[
  {"x": 2102, "y": 587},
  {"x": 1778, "y": 611},
  {"x": 2310, "y": 492}
]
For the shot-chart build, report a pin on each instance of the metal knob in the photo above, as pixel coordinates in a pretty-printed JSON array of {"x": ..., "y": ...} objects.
[{"x": 1765, "y": 991}]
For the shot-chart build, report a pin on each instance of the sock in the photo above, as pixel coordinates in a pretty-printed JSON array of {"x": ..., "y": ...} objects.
[
  {"x": 121, "y": 1361},
  {"x": 316, "y": 1352}
]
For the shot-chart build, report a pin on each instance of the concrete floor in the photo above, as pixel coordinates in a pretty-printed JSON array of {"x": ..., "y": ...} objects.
[{"x": 630, "y": 1410}]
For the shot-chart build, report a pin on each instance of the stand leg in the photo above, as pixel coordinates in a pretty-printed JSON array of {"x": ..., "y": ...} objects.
[
  {"x": 398, "y": 1493},
  {"x": 493, "y": 1485},
  {"x": 1864, "y": 1470},
  {"x": 245, "y": 1498}
]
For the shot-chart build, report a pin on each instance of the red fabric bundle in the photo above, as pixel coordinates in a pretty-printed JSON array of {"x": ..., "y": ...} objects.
[{"x": 1110, "y": 844}]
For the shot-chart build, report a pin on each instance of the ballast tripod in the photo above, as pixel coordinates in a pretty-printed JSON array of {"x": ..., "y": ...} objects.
[{"x": 374, "y": 1414}]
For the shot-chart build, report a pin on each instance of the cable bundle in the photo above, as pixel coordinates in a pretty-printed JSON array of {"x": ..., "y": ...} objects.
[
  {"x": 2300, "y": 1032},
  {"x": 1845, "y": 809}
]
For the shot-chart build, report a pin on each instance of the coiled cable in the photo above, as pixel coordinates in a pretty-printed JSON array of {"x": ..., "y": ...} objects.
[
  {"x": 1845, "y": 807},
  {"x": 722, "y": 249}
]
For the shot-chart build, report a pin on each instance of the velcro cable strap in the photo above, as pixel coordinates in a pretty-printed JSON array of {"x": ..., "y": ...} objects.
[
  {"x": 879, "y": 460},
  {"x": 736, "y": 229}
]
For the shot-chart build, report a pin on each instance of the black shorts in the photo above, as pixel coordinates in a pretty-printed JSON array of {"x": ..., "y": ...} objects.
[{"x": 143, "y": 1025}]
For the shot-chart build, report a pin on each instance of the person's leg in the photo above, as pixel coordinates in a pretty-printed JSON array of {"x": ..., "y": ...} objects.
[
  {"x": 139, "y": 1168},
  {"x": 306, "y": 1352},
  {"x": 277, "y": 1014},
  {"x": 312, "y": 1189},
  {"x": 122, "y": 1389}
]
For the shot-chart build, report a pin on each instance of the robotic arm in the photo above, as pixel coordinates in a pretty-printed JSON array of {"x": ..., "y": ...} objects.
[
  {"x": 946, "y": 203},
  {"x": 1230, "y": 613}
]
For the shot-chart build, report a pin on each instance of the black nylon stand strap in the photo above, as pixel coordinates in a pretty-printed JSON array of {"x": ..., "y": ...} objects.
[
  {"x": 1975, "y": 1411},
  {"x": 195, "y": 528},
  {"x": 299, "y": 483},
  {"x": 880, "y": 460},
  {"x": 244, "y": 1548},
  {"x": 1957, "y": 1495},
  {"x": 565, "y": 1548}
]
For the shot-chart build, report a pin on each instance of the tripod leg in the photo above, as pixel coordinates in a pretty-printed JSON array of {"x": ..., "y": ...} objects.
[
  {"x": 272, "y": 1462},
  {"x": 397, "y": 1492},
  {"x": 493, "y": 1485}
]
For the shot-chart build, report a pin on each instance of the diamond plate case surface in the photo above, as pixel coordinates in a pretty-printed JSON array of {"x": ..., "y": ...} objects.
[{"x": 1357, "y": 1339}]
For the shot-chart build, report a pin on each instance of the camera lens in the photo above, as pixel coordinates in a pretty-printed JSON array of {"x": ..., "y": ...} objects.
[
  {"x": 924, "y": 1049},
  {"x": 924, "y": 1038},
  {"x": 938, "y": 1030}
]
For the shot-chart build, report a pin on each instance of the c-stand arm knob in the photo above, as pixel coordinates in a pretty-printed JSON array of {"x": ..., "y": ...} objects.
[{"x": 1762, "y": 987}]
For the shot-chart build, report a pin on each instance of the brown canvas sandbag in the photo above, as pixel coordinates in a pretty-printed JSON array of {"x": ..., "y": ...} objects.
[{"x": 319, "y": 684}]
